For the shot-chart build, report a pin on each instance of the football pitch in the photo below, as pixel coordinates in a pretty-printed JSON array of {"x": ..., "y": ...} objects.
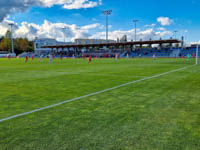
[{"x": 131, "y": 104}]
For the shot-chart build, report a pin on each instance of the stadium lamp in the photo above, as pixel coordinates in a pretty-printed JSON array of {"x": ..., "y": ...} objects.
[
  {"x": 175, "y": 32},
  {"x": 197, "y": 54},
  {"x": 12, "y": 42},
  {"x": 64, "y": 33},
  {"x": 135, "y": 21},
  {"x": 107, "y": 13}
]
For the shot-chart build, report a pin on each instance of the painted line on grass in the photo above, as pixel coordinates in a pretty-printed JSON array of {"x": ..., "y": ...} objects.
[
  {"x": 92, "y": 94},
  {"x": 113, "y": 75}
]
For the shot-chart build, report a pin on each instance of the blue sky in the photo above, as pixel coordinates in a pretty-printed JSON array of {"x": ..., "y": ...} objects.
[{"x": 184, "y": 15}]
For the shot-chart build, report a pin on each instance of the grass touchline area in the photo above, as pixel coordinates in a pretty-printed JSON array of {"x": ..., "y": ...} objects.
[
  {"x": 157, "y": 113},
  {"x": 92, "y": 94}
]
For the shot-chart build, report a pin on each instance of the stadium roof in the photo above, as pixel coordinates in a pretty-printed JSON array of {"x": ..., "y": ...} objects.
[{"x": 151, "y": 42}]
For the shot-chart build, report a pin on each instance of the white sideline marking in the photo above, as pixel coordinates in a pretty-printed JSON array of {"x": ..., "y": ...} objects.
[
  {"x": 111, "y": 75},
  {"x": 92, "y": 94}
]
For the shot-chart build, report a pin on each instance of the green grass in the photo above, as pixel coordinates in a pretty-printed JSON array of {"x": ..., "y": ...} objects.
[{"x": 156, "y": 114}]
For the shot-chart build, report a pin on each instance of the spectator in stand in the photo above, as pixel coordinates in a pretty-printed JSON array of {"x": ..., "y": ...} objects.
[
  {"x": 180, "y": 55},
  {"x": 127, "y": 56}
]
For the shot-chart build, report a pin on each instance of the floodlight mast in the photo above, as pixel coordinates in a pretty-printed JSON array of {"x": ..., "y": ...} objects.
[
  {"x": 11, "y": 34},
  {"x": 197, "y": 54},
  {"x": 107, "y": 13},
  {"x": 64, "y": 33},
  {"x": 135, "y": 21},
  {"x": 175, "y": 32}
]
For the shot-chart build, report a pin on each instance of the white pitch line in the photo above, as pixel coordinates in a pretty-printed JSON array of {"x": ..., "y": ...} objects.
[
  {"x": 92, "y": 94},
  {"x": 113, "y": 75}
]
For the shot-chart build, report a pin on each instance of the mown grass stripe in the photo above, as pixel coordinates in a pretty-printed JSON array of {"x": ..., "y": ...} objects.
[{"x": 92, "y": 94}]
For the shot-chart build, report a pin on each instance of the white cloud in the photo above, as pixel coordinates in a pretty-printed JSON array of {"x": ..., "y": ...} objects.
[
  {"x": 4, "y": 26},
  {"x": 141, "y": 34},
  {"x": 92, "y": 26},
  {"x": 150, "y": 25},
  {"x": 55, "y": 30},
  {"x": 81, "y": 4},
  {"x": 94, "y": 19},
  {"x": 197, "y": 42},
  {"x": 161, "y": 29},
  {"x": 50, "y": 30},
  {"x": 163, "y": 33},
  {"x": 13, "y": 6},
  {"x": 71, "y": 4},
  {"x": 164, "y": 21}
]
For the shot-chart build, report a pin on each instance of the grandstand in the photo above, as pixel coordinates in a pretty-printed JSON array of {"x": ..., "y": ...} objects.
[
  {"x": 105, "y": 50},
  {"x": 137, "y": 53}
]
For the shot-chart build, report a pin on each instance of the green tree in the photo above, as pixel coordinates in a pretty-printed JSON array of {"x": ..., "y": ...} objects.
[
  {"x": 5, "y": 42},
  {"x": 8, "y": 34},
  {"x": 6, "y": 46},
  {"x": 1, "y": 38},
  {"x": 30, "y": 46},
  {"x": 24, "y": 44},
  {"x": 17, "y": 46},
  {"x": 20, "y": 44},
  {"x": 1, "y": 44}
]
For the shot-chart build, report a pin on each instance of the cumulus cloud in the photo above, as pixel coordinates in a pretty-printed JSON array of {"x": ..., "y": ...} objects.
[
  {"x": 71, "y": 4},
  {"x": 71, "y": 32},
  {"x": 49, "y": 30},
  {"x": 81, "y": 4},
  {"x": 164, "y": 21},
  {"x": 194, "y": 43},
  {"x": 161, "y": 29},
  {"x": 12, "y": 6},
  {"x": 141, "y": 34},
  {"x": 150, "y": 25}
]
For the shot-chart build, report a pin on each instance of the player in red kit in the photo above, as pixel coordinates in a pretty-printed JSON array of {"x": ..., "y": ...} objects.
[
  {"x": 118, "y": 56},
  {"x": 26, "y": 58},
  {"x": 193, "y": 55},
  {"x": 90, "y": 59},
  {"x": 33, "y": 57}
]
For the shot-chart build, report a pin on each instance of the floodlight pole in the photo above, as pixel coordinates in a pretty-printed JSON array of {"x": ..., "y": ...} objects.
[
  {"x": 175, "y": 34},
  {"x": 197, "y": 54},
  {"x": 64, "y": 33},
  {"x": 12, "y": 42},
  {"x": 107, "y": 13},
  {"x": 135, "y": 21}
]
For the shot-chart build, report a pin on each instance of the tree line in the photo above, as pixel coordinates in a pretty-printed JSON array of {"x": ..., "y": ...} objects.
[{"x": 20, "y": 44}]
